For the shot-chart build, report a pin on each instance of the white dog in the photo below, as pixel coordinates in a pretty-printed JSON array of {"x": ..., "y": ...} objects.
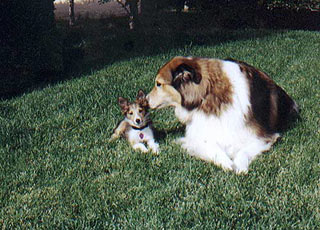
[{"x": 232, "y": 111}]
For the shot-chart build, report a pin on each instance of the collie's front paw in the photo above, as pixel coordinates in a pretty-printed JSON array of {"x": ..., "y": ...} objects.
[
  {"x": 241, "y": 165},
  {"x": 240, "y": 170},
  {"x": 180, "y": 141}
]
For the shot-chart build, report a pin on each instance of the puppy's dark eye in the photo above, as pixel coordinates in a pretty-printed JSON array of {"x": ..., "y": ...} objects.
[
  {"x": 158, "y": 84},
  {"x": 130, "y": 113},
  {"x": 140, "y": 110}
]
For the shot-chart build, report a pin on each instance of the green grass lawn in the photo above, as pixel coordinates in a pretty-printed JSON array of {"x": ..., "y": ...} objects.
[{"x": 58, "y": 170}]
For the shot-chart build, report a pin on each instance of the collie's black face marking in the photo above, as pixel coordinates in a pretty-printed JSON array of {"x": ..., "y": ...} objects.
[
  {"x": 193, "y": 83},
  {"x": 184, "y": 74},
  {"x": 184, "y": 77}
]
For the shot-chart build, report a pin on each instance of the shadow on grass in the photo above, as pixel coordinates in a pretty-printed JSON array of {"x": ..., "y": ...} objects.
[
  {"x": 163, "y": 133},
  {"x": 96, "y": 43}
]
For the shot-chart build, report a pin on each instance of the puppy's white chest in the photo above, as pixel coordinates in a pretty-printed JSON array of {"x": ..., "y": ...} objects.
[{"x": 140, "y": 135}]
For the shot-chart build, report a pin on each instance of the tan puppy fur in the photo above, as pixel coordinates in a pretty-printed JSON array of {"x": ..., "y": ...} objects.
[{"x": 136, "y": 127}]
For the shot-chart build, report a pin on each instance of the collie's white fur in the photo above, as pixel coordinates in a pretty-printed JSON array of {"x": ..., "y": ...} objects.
[
  {"x": 224, "y": 140},
  {"x": 218, "y": 101}
]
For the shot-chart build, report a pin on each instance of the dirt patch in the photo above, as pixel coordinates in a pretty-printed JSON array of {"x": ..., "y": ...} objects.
[{"x": 88, "y": 9}]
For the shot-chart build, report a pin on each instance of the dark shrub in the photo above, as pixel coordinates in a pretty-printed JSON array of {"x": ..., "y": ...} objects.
[{"x": 30, "y": 45}]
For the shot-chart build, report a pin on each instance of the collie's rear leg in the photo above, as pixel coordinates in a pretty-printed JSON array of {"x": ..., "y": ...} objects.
[{"x": 248, "y": 153}]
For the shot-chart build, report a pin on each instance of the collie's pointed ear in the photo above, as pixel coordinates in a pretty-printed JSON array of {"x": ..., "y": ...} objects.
[
  {"x": 141, "y": 99},
  {"x": 185, "y": 73},
  {"x": 124, "y": 104}
]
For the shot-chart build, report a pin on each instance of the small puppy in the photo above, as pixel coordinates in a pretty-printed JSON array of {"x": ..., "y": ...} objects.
[{"x": 136, "y": 127}]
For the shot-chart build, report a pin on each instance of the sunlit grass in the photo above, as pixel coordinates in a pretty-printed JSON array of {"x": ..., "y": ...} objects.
[{"x": 58, "y": 171}]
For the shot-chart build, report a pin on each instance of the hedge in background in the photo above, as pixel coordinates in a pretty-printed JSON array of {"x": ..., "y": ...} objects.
[
  {"x": 30, "y": 46},
  {"x": 294, "y": 4}
]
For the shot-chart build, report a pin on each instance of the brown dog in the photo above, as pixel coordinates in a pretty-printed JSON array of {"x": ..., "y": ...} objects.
[{"x": 232, "y": 111}]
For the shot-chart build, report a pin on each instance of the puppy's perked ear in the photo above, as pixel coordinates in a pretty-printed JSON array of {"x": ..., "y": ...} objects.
[
  {"x": 124, "y": 104},
  {"x": 141, "y": 99},
  {"x": 185, "y": 73},
  {"x": 141, "y": 94}
]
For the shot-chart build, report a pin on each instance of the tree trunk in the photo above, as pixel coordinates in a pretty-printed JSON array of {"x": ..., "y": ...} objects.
[
  {"x": 260, "y": 14},
  {"x": 71, "y": 13},
  {"x": 139, "y": 7},
  {"x": 134, "y": 10}
]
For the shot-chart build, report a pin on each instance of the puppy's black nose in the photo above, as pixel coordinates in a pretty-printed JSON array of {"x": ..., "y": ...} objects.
[{"x": 138, "y": 121}]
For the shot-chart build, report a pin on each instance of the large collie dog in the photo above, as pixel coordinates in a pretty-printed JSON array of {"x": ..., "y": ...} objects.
[{"x": 232, "y": 111}]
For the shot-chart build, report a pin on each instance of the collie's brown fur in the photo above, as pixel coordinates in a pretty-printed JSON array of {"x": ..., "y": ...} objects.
[
  {"x": 232, "y": 111},
  {"x": 201, "y": 83}
]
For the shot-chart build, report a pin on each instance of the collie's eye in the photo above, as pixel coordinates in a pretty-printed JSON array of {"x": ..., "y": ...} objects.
[
  {"x": 140, "y": 110},
  {"x": 158, "y": 84},
  {"x": 130, "y": 113}
]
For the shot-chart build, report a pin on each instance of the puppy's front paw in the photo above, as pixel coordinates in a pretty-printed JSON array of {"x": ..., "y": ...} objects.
[
  {"x": 113, "y": 137},
  {"x": 140, "y": 147},
  {"x": 155, "y": 148}
]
